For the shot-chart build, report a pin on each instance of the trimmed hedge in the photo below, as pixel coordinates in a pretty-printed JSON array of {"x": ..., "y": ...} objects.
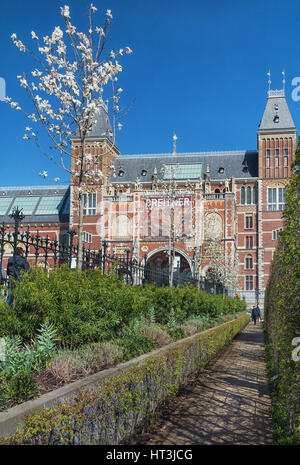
[
  {"x": 90, "y": 307},
  {"x": 115, "y": 408},
  {"x": 282, "y": 318}
]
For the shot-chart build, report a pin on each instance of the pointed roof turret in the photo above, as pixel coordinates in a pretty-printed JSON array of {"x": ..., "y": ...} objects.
[
  {"x": 102, "y": 128},
  {"x": 277, "y": 116}
]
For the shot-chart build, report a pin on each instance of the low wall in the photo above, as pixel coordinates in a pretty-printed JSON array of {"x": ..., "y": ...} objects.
[{"x": 109, "y": 406}]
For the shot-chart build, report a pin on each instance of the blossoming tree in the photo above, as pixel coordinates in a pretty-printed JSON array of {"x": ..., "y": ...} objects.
[{"x": 67, "y": 88}]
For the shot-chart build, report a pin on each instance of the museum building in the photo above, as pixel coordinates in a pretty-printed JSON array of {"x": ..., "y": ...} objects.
[{"x": 192, "y": 203}]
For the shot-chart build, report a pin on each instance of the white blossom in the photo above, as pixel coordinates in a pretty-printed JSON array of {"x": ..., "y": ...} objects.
[
  {"x": 65, "y": 11},
  {"x": 44, "y": 174},
  {"x": 100, "y": 31}
]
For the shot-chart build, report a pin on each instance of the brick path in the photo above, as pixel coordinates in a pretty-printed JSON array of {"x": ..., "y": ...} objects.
[{"x": 227, "y": 404}]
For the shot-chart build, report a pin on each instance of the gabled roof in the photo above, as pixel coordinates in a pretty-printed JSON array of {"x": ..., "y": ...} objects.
[
  {"x": 277, "y": 116},
  {"x": 222, "y": 165},
  {"x": 49, "y": 204}
]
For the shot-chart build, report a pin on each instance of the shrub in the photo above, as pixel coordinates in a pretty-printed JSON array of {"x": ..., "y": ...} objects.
[
  {"x": 89, "y": 307},
  {"x": 20, "y": 387},
  {"x": 133, "y": 345},
  {"x": 156, "y": 333},
  {"x": 176, "y": 333},
  {"x": 68, "y": 365},
  {"x": 23, "y": 359}
]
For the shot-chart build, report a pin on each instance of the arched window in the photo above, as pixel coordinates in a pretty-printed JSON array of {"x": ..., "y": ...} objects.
[
  {"x": 249, "y": 262},
  {"x": 255, "y": 194},
  {"x": 248, "y": 195},
  {"x": 242, "y": 195}
]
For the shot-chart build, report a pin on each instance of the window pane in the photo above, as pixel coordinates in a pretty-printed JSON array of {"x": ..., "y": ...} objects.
[
  {"x": 243, "y": 195},
  {"x": 248, "y": 195},
  {"x": 255, "y": 194}
]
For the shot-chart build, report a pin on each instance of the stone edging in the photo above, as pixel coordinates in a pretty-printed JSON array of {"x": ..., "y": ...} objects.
[{"x": 12, "y": 419}]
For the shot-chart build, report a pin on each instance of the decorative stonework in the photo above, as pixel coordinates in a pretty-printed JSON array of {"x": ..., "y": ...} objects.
[{"x": 213, "y": 226}]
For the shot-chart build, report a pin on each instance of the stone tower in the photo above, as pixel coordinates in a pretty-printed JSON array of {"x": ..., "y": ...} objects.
[
  {"x": 100, "y": 154},
  {"x": 276, "y": 141}
]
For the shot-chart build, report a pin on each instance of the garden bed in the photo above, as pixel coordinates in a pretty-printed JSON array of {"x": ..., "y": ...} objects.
[{"x": 117, "y": 401}]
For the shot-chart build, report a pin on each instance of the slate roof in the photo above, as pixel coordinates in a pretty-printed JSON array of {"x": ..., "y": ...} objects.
[
  {"x": 277, "y": 116},
  {"x": 40, "y": 204},
  {"x": 102, "y": 128},
  {"x": 234, "y": 164}
]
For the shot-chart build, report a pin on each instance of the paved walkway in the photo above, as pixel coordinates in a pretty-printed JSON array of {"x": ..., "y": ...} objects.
[{"x": 227, "y": 404}]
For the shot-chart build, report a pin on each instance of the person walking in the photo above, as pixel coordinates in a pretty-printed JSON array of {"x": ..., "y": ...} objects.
[
  {"x": 15, "y": 265},
  {"x": 258, "y": 313},
  {"x": 254, "y": 314}
]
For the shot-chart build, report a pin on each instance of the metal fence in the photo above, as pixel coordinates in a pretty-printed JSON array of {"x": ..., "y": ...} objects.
[{"x": 42, "y": 251}]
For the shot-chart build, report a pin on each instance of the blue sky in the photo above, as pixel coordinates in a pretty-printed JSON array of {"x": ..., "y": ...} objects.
[{"x": 198, "y": 68}]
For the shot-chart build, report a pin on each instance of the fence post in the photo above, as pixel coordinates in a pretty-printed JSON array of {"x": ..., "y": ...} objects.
[
  {"x": 2, "y": 245},
  {"x": 104, "y": 255},
  {"x": 17, "y": 216},
  {"x": 71, "y": 233}
]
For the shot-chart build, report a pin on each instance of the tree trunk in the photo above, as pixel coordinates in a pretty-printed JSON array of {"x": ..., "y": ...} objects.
[
  {"x": 80, "y": 232},
  {"x": 173, "y": 248}
]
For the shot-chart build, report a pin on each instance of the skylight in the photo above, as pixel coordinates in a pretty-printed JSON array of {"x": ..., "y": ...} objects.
[{"x": 192, "y": 171}]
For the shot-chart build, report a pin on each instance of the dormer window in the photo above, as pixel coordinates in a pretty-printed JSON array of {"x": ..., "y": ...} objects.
[
  {"x": 144, "y": 173},
  {"x": 121, "y": 173},
  {"x": 276, "y": 119},
  {"x": 221, "y": 169},
  {"x": 245, "y": 168}
]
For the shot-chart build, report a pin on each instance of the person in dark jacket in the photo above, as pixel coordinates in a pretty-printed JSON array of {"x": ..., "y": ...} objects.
[
  {"x": 2, "y": 275},
  {"x": 254, "y": 314},
  {"x": 15, "y": 265}
]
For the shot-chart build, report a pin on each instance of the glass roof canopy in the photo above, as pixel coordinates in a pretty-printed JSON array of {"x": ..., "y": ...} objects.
[
  {"x": 35, "y": 205},
  {"x": 174, "y": 171},
  {"x": 4, "y": 204},
  {"x": 50, "y": 205},
  {"x": 27, "y": 204}
]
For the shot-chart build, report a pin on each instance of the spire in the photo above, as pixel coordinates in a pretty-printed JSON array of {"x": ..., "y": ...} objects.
[
  {"x": 277, "y": 116},
  {"x": 174, "y": 143},
  {"x": 102, "y": 128}
]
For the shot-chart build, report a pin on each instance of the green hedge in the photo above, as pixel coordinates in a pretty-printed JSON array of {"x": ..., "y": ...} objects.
[
  {"x": 115, "y": 408},
  {"x": 90, "y": 307},
  {"x": 282, "y": 318}
]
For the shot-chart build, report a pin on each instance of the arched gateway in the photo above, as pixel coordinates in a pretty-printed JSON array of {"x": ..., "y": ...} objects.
[{"x": 158, "y": 266}]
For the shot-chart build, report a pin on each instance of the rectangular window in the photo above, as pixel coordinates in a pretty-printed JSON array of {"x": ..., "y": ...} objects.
[
  {"x": 276, "y": 198},
  {"x": 276, "y": 162},
  {"x": 249, "y": 242},
  {"x": 89, "y": 204},
  {"x": 276, "y": 153},
  {"x": 249, "y": 283},
  {"x": 276, "y": 234},
  {"x": 285, "y": 161},
  {"x": 87, "y": 237},
  {"x": 249, "y": 222}
]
